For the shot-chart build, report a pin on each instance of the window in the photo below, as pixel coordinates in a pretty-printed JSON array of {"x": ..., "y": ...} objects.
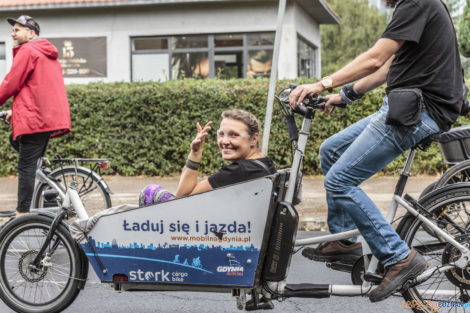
[
  {"x": 202, "y": 56},
  {"x": 3, "y": 62},
  {"x": 306, "y": 58},
  {"x": 190, "y": 64},
  {"x": 260, "y": 63},
  {"x": 150, "y": 59}
]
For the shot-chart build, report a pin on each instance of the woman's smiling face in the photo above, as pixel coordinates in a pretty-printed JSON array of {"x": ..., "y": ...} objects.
[{"x": 234, "y": 140}]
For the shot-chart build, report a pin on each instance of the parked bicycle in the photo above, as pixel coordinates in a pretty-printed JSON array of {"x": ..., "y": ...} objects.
[
  {"x": 92, "y": 188},
  {"x": 238, "y": 238}
]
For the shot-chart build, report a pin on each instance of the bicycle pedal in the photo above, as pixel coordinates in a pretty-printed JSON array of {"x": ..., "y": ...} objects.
[
  {"x": 373, "y": 278},
  {"x": 407, "y": 285},
  {"x": 339, "y": 266}
]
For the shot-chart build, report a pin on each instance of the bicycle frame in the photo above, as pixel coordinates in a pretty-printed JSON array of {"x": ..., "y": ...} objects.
[{"x": 354, "y": 290}]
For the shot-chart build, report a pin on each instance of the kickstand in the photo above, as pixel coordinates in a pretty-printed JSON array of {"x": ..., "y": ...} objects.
[{"x": 257, "y": 303}]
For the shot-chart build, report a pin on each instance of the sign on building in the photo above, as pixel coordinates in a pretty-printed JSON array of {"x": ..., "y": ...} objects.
[{"x": 82, "y": 57}]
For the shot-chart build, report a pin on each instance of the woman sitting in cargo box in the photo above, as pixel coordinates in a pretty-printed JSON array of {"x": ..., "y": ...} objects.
[{"x": 238, "y": 141}]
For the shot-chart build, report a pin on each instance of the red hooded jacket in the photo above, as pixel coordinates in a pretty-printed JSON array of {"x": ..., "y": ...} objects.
[{"x": 35, "y": 80}]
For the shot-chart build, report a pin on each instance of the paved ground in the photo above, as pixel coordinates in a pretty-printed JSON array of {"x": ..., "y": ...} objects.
[
  {"x": 101, "y": 298},
  {"x": 312, "y": 210}
]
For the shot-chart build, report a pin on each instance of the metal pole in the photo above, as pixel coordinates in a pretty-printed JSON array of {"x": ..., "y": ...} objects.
[{"x": 273, "y": 77}]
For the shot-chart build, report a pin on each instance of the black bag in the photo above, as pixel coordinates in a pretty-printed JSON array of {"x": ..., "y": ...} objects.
[{"x": 404, "y": 107}]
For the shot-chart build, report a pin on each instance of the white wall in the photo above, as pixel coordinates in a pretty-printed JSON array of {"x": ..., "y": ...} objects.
[
  {"x": 118, "y": 25},
  {"x": 309, "y": 29}
]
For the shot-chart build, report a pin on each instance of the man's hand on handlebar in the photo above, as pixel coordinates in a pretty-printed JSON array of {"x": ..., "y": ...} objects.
[
  {"x": 298, "y": 95},
  {"x": 334, "y": 100}
]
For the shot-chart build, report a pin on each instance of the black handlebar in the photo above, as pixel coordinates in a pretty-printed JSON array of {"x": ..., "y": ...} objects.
[{"x": 311, "y": 102}]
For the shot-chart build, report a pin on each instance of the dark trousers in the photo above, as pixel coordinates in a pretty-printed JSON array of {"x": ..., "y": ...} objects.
[{"x": 31, "y": 147}]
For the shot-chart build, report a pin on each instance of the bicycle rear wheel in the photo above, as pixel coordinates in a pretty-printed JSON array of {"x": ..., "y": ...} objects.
[
  {"x": 451, "y": 209},
  {"x": 53, "y": 285},
  {"x": 94, "y": 196},
  {"x": 459, "y": 173}
]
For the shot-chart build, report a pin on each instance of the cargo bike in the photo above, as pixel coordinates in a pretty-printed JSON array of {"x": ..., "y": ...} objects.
[{"x": 237, "y": 239}]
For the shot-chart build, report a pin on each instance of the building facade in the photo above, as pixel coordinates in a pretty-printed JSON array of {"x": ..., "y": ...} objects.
[{"x": 142, "y": 40}]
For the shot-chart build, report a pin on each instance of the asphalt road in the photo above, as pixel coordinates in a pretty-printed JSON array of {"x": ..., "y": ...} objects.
[{"x": 101, "y": 298}]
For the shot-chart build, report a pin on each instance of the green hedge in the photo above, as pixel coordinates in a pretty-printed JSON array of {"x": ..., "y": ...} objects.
[{"x": 147, "y": 127}]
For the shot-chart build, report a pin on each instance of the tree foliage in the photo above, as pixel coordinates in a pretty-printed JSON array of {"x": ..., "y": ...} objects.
[
  {"x": 361, "y": 26},
  {"x": 146, "y": 128},
  {"x": 464, "y": 31}
]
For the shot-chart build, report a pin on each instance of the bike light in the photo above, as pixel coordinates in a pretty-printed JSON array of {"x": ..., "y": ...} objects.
[
  {"x": 105, "y": 165},
  {"x": 119, "y": 278}
]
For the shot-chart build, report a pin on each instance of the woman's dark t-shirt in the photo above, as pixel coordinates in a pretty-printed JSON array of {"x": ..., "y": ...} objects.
[
  {"x": 429, "y": 58},
  {"x": 242, "y": 170}
]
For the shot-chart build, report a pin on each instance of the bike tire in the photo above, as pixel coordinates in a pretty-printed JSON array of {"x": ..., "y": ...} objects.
[
  {"x": 459, "y": 173},
  {"x": 55, "y": 286},
  {"x": 424, "y": 297},
  {"x": 93, "y": 194}
]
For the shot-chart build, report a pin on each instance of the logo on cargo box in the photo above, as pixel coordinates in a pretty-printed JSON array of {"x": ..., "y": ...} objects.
[{"x": 233, "y": 269}]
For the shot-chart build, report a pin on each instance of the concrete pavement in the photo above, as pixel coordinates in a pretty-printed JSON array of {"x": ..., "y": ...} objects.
[{"x": 312, "y": 210}]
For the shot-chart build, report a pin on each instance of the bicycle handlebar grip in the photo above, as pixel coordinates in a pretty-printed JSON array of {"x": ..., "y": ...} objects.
[
  {"x": 300, "y": 109},
  {"x": 293, "y": 86}
]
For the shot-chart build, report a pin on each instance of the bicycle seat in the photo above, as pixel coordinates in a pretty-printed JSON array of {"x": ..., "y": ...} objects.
[{"x": 425, "y": 143}]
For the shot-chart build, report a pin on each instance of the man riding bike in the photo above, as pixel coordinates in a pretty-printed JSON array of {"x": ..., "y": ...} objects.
[{"x": 417, "y": 56}]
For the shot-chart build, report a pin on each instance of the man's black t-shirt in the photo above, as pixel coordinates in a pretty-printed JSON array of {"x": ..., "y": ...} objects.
[
  {"x": 429, "y": 58},
  {"x": 242, "y": 170}
]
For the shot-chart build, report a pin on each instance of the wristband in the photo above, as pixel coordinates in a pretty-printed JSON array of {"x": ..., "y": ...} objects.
[
  {"x": 192, "y": 165},
  {"x": 349, "y": 95}
]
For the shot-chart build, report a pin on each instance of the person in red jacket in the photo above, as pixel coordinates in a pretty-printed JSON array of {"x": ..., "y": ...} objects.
[{"x": 40, "y": 107}]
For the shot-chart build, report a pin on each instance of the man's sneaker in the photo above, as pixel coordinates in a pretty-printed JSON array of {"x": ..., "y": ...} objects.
[
  {"x": 398, "y": 274},
  {"x": 334, "y": 251}
]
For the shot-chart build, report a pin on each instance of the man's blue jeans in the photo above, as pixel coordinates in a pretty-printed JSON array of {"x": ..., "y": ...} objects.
[{"x": 355, "y": 154}]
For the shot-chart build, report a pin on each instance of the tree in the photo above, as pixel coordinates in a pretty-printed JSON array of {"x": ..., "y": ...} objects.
[
  {"x": 455, "y": 8},
  {"x": 361, "y": 26},
  {"x": 464, "y": 31}
]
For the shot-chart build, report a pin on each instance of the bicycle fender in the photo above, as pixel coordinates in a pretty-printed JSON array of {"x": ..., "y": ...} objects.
[
  {"x": 429, "y": 195},
  {"x": 95, "y": 175},
  {"x": 442, "y": 189}
]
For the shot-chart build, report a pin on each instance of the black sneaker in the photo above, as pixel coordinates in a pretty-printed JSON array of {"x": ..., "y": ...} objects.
[
  {"x": 334, "y": 251},
  {"x": 396, "y": 275}
]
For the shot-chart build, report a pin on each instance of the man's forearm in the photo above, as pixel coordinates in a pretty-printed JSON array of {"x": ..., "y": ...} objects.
[
  {"x": 367, "y": 63},
  {"x": 373, "y": 80}
]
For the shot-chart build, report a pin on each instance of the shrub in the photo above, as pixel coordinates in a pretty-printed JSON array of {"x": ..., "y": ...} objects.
[{"x": 146, "y": 128}]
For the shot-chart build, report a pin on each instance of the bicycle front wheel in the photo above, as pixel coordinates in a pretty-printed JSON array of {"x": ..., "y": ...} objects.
[
  {"x": 451, "y": 211},
  {"x": 94, "y": 196},
  {"x": 51, "y": 286}
]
